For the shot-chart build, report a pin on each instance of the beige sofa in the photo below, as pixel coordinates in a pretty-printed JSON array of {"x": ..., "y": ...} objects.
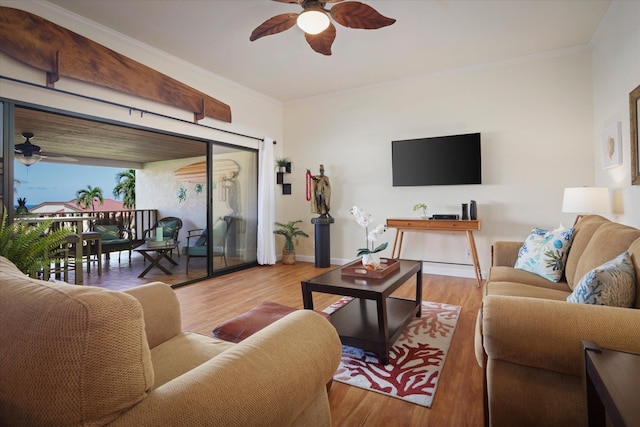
[
  {"x": 75, "y": 355},
  {"x": 528, "y": 337}
]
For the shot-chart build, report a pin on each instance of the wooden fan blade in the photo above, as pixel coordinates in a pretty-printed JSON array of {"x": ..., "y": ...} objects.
[
  {"x": 288, "y": 1},
  {"x": 322, "y": 42},
  {"x": 275, "y": 25},
  {"x": 353, "y": 14}
]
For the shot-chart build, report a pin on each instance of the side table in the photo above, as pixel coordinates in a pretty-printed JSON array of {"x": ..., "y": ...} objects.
[
  {"x": 612, "y": 385},
  {"x": 94, "y": 246}
]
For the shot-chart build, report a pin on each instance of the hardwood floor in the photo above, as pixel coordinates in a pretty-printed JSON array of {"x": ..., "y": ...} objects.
[
  {"x": 458, "y": 399},
  {"x": 205, "y": 304}
]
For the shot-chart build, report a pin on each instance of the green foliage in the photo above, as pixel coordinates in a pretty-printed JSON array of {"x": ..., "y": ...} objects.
[
  {"x": 126, "y": 187},
  {"x": 282, "y": 162},
  {"x": 30, "y": 247},
  {"x": 85, "y": 197},
  {"x": 290, "y": 231},
  {"x": 366, "y": 251},
  {"x": 421, "y": 207}
]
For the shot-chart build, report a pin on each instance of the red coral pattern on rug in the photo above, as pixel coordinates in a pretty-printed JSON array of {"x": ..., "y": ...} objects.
[{"x": 415, "y": 360}]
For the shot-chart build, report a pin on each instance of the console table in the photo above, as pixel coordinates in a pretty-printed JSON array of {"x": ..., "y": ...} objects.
[{"x": 428, "y": 225}]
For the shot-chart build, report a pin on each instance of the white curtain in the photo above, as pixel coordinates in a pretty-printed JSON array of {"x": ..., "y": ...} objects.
[{"x": 266, "y": 200}]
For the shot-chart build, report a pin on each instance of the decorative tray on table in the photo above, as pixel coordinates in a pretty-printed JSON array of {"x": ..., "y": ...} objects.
[{"x": 356, "y": 269}]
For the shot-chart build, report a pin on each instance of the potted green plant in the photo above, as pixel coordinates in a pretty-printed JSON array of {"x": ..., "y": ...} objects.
[
  {"x": 283, "y": 164},
  {"x": 30, "y": 247},
  {"x": 289, "y": 231},
  {"x": 422, "y": 207}
]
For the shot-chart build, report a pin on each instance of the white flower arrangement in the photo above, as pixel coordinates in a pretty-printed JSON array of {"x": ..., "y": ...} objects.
[{"x": 364, "y": 219}]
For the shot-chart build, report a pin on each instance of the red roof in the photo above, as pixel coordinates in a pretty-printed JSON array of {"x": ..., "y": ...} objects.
[{"x": 108, "y": 205}]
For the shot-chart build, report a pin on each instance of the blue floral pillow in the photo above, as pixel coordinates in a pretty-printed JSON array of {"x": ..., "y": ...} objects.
[
  {"x": 544, "y": 252},
  {"x": 613, "y": 283}
]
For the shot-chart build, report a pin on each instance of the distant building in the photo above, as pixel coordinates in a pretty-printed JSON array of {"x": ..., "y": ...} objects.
[{"x": 72, "y": 206}]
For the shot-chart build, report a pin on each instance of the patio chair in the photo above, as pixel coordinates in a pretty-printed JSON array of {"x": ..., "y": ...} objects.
[
  {"x": 199, "y": 237},
  {"x": 115, "y": 237},
  {"x": 171, "y": 226}
]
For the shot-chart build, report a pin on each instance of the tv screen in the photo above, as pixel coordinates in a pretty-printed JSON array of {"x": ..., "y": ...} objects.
[{"x": 444, "y": 160}]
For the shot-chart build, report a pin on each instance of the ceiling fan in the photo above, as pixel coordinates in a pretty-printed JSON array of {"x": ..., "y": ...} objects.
[
  {"x": 29, "y": 154},
  {"x": 314, "y": 21}
]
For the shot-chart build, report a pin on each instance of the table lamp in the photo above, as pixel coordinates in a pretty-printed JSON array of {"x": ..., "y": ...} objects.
[{"x": 586, "y": 200}]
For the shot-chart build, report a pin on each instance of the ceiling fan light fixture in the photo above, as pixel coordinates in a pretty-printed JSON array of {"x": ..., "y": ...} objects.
[
  {"x": 313, "y": 21},
  {"x": 29, "y": 160}
]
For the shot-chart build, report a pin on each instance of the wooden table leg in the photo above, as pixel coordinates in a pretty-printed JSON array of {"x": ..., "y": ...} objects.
[
  {"x": 383, "y": 329},
  {"x": 474, "y": 257},
  {"x": 307, "y": 297},
  {"x": 395, "y": 242},
  {"x": 155, "y": 261}
]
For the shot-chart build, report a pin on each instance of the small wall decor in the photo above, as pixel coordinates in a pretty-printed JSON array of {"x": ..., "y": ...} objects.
[
  {"x": 181, "y": 194},
  {"x": 611, "y": 146}
]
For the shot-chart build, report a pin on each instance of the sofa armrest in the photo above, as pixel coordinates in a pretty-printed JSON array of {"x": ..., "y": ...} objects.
[
  {"x": 505, "y": 253},
  {"x": 547, "y": 334},
  {"x": 268, "y": 379},
  {"x": 161, "y": 311}
]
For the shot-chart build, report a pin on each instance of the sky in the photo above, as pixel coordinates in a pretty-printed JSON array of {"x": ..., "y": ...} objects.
[{"x": 52, "y": 182}]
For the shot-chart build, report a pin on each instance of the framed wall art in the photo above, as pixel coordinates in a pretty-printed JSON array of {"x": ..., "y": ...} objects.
[
  {"x": 611, "y": 146},
  {"x": 634, "y": 110}
]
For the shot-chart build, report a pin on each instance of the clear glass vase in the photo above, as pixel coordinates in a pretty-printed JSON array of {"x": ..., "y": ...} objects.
[{"x": 371, "y": 261}]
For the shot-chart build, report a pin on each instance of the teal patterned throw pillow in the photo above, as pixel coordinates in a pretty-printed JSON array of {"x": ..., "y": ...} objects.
[
  {"x": 613, "y": 283},
  {"x": 544, "y": 252}
]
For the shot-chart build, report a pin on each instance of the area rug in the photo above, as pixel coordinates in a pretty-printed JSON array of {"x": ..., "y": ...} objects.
[{"x": 415, "y": 360}]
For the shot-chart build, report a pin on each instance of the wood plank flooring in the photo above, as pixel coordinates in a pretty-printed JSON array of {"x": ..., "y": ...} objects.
[{"x": 458, "y": 399}]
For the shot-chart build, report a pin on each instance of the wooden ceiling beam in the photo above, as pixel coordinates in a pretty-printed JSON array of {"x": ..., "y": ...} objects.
[{"x": 46, "y": 46}]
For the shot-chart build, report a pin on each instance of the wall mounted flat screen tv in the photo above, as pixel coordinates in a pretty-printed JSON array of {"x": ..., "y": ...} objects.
[{"x": 444, "y": 160}]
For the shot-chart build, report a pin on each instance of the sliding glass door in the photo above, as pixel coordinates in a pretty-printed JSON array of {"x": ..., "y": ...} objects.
[
  {"x": 234, "y": 207},
  {"x": 210, "y": 186}
]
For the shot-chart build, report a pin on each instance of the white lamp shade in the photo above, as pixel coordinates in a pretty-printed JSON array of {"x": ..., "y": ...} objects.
[
  {"x": 586, "y": 200},
  {"x": 313, "y": 21}
]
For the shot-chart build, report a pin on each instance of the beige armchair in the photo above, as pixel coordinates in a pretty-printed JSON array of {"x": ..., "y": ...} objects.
[{"x": 74, "y": 355}]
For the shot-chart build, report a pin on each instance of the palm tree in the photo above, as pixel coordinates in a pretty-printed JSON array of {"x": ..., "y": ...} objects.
[
  {"x": 86, "y": 197},
  {"x": 126, "y": 188}
]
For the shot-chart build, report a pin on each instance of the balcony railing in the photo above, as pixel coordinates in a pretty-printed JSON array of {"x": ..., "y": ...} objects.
[{"x": 135, "y": 220}]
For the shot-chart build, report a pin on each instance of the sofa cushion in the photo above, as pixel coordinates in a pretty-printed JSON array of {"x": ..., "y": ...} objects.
[
  {"x": 514, "y": 289},
  {"x": 109, "y": 232},
  {"x": 545, "y": 252},
  {"x": 71, "y": 355},
  {"x": 612, "y": 283},
  {"x": 584, "y": 231},
  {"x": 607, "y": 242},
  {"x": 515, "y": 275}
]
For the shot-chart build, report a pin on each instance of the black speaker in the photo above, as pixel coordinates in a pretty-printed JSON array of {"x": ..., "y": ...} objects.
[
  {"x": 473, "y": 210},
  {"x": 465, "y": 211}
]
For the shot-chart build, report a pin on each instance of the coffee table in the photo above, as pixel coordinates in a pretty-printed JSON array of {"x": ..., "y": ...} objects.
[
  {"x": 373, "y": 320},
  {"x": 147, "y": 250}
]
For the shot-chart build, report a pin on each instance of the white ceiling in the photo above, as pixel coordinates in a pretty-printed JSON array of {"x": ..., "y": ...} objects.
[{"x": 428, "y": 37}]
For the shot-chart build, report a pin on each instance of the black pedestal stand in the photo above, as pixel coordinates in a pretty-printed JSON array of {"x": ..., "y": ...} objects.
[{"x": 323, "y": 240}]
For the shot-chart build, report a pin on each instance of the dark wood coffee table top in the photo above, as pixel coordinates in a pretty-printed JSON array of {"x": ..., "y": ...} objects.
[
  {"x": 372, "y": 320},
  {"x": 333, "y": 282}
]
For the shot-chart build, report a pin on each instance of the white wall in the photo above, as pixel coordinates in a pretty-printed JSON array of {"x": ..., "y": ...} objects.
[
  {"x": 535, "y": 116},
  {"x": 616, "y": 72}
]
